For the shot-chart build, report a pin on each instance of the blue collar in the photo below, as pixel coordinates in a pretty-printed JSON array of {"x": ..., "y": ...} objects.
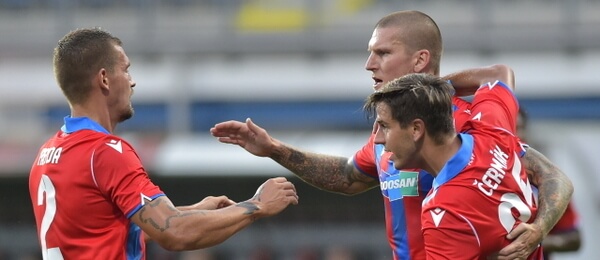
[
  {"x": 73, "y": 124},
  {"x": 457, "y": 163}
]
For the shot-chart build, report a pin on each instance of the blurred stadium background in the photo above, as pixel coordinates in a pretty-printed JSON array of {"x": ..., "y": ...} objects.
[{"x": 296, "y": 68}]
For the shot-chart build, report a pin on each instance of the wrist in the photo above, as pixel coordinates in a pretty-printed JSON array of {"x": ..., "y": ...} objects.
[
  {"x": 251, "y": 208},
  {"x": 542, "y": 226},
  {"x": 278, "y": 151}
]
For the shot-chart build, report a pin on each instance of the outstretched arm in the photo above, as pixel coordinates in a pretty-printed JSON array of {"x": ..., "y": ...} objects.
[
  {"x": 191, "y": 229},
  {"x": 466, "y": 82},
  {"x": 208, "y": 203},
  {"x": 555, "y": 191},
  {"x": 331, "y": 173}
]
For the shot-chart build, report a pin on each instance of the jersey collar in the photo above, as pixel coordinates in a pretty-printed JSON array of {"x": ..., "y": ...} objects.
[
  {"x": 73, "y": 124},
  {"x": 458, "y": 162}
]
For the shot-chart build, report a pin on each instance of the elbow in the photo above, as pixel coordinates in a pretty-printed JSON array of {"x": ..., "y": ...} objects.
[
  {"x": 504, "y": 73},
  {"x": 501, "y": 69},
  {"x": 569, "y": 186}
]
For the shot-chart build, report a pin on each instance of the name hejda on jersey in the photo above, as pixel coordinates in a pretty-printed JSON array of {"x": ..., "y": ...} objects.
[
  {"x": 49, "y": 155},
  {"x": 495, "y": 174}
]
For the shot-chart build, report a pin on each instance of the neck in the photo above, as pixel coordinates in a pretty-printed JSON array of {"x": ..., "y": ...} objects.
[
  {"x": 100, "y": 116},
  {"x": 435, "y": 156}
]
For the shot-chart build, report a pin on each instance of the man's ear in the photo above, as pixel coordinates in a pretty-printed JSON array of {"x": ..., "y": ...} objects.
[
  {"x": 421, "y": 60},
  {"x": 102, "y": 79},
  {"x": 418, "y": 129}
]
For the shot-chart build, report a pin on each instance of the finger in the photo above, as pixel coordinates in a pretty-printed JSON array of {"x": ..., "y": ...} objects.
[
  {"x": 293, "y": 198},
  {"x": 279, "y": 179},
  {"x": 509, "y": 257},
  {"x": 289, "y": 186},
  {"x": 225, "y": 200},
  {"x": 520, "y": 229},
  {"x": 516, "y": 249},
  {"x": 227, "y": 203},
  {"x": 295, "y": 201},
  {"x": 507, "y": 252},
  {"x": 227, "y": 140},
  {"x": 219, "y": 132},
  {"x": 293, "y": 187},
  {"x": 226, "y": 127}
]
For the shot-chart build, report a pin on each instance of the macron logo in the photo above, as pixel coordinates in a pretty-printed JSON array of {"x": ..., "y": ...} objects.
[
  {"x": 477, "y": 117},
  {"x": 437, "y": 214},
  {"x": 116, "y": 145},
  {"x": 144, "y": 198},
  {"x": 492, "y": 85}
]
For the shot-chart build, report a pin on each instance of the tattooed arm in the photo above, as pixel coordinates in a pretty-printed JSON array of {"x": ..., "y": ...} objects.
[
  {"x": 555, "y": 191},
  {"x": 190, "y": 229},
  {"x": 208, "y": 203},
  {"x": 331, "y": 173},
  {"x": 555, "y": 188}
]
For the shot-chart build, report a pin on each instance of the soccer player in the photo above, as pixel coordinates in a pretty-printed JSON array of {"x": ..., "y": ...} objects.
[
  {"x": 402, "y": 42},
  {"x": 91, "y": 196},
  {"x": 481, "y": 190}
]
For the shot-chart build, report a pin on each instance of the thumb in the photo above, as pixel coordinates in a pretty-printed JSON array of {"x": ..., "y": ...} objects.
[{"x": 251, "y": 125}]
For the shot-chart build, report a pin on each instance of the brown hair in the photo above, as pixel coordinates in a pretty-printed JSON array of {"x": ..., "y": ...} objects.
[
  {"x": 78, "y": 56},
  {"x": 417, "y": 96}
]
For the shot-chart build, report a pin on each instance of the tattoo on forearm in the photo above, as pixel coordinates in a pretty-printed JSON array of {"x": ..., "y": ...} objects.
[
  {"x": 164, "y": 225},
  {"x": 249, "y": 206},
  {"x": 554, "y": 188},
  {"x": 326, "y": 172}
]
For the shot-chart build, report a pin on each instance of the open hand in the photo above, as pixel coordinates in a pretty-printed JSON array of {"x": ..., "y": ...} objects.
[{"x": 245, "y": 134}]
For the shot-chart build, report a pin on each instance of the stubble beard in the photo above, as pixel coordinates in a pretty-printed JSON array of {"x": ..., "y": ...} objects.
[{"x": 127, "y": 115}]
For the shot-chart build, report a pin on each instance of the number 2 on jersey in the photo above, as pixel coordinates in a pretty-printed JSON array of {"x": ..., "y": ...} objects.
[{"x": 47, "y": 187}]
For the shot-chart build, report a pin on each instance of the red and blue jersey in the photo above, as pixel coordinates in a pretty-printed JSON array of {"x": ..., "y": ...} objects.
[
  {"x": 85, "y": 184},
  {"x": 482, "y": 192},
  {"x": 403, "y": 192}
]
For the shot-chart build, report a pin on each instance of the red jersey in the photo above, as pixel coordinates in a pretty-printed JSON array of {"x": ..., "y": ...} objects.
[
  {"x": 85, "y": 184},
  {"x": 482, "y": 192},
  {"x": 403, "y": 191}
]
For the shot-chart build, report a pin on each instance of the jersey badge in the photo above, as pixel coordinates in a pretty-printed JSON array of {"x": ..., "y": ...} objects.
[
  {"x": 477, "y": 117},
  {"x": 492, "y": 85},
  {"x": 437, "y": 214},
  {"x": 144, "y": 198},
  {"x": 116, "y": 145}
]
